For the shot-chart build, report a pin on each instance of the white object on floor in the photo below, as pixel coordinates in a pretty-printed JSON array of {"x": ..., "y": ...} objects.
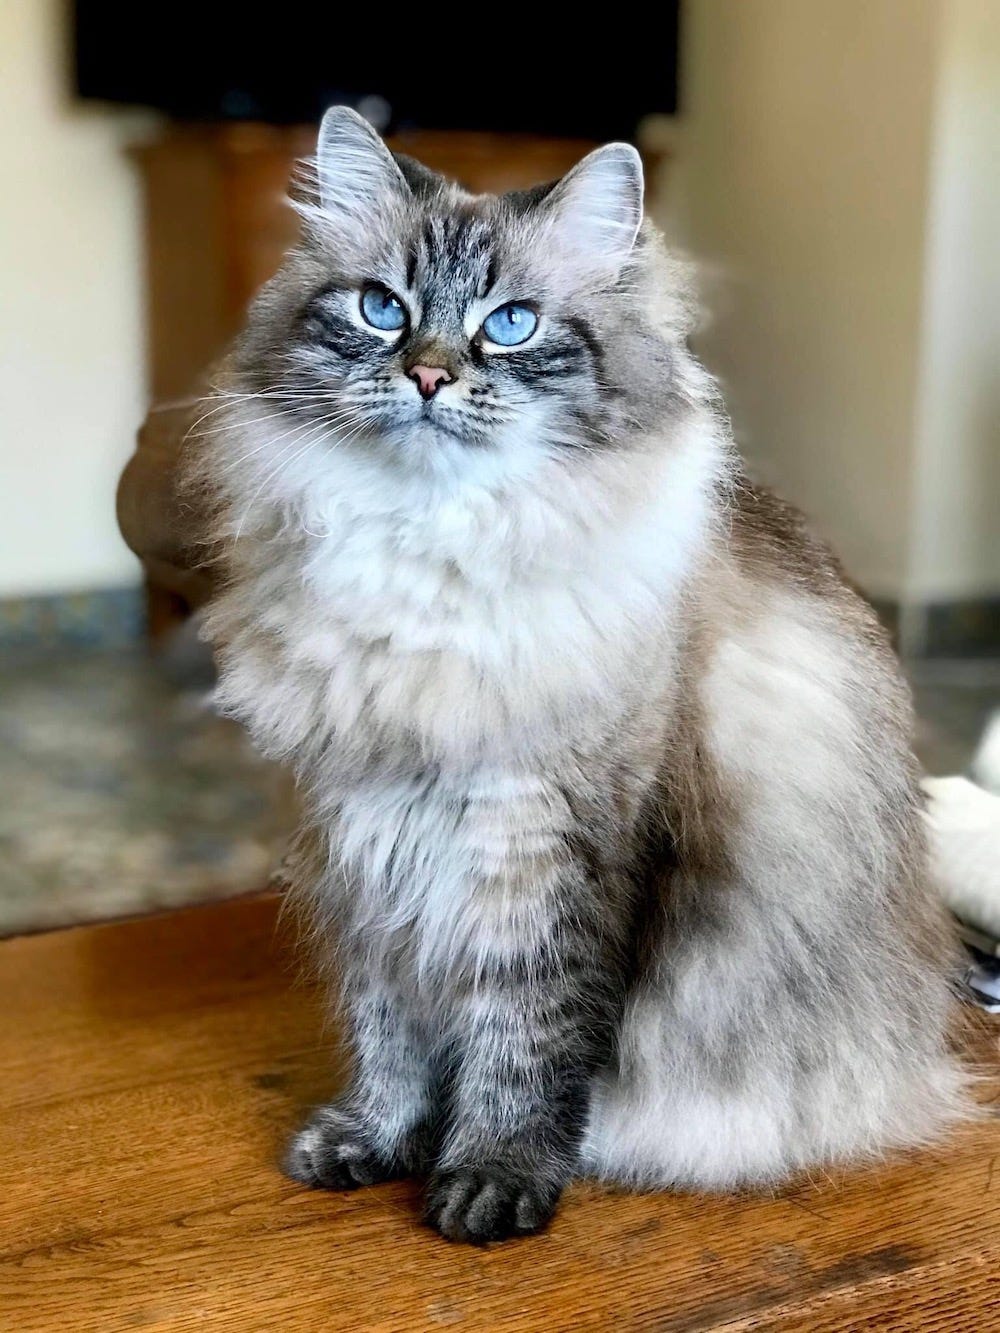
[
  {"x": 986, "y": 764},
  {"x": 983, "y": 982},
  {"x": 964, "y": 825}
]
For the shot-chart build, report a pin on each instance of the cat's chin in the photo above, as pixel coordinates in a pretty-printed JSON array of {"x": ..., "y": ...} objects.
[{"x": 441, "y": 441}]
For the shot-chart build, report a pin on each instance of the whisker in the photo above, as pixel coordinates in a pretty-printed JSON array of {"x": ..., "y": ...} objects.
[
  {"x": 284, "y": 463},
  {"x": 315, "y": 431},
  {"x": 254, "y": 421}
]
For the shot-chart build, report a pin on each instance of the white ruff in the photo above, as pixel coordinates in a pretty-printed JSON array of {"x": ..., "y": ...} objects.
[{"x": 462, "y": 612}]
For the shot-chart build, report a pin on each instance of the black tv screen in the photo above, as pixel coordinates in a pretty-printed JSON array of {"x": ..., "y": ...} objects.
[{"x": 592, "y": 77}]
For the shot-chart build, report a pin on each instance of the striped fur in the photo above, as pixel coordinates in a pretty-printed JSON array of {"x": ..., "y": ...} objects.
[{"x": 610, "y": 818}]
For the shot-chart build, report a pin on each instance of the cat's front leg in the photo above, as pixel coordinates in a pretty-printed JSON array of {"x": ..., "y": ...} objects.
[
  {"x": 533, "y": 1028},
  {"x": 382, "y": 1127}
]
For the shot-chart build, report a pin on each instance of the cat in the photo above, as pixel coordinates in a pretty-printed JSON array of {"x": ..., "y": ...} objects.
[{"x": 611, "y": 823}]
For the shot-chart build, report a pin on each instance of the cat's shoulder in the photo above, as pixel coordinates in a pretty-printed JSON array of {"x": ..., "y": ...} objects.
[
  {"x": 776, "y": 549},
  {"x": 772, "y": 538}
]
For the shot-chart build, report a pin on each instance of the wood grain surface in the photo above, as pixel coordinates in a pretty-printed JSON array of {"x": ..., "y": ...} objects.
[{"x": 150, "y": 1070}]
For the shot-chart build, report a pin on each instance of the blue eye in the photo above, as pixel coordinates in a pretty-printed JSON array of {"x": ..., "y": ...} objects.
[
  {"x": 381, "y": 309},
  {"x": 510, "y": 324}
]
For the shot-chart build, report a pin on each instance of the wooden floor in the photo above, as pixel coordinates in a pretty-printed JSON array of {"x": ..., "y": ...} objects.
[{"x": 150, "y": 1070}]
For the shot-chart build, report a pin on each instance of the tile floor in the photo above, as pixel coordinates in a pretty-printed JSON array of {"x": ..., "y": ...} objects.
[{"x": 122, "y": 792}]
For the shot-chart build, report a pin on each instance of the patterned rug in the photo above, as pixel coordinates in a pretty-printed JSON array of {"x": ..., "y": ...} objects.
[{"x": 123, "y": 792}]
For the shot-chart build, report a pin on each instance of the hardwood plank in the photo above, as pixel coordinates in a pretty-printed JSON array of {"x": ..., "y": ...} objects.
[
  {"x": 947, "y": 1297},
  {"x": 150, "y": 1070}
]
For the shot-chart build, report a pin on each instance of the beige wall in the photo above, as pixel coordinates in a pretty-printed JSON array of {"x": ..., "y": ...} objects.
[
  {"x": 837, "y": 172},
  {"x": 955, "y": 537},
  {"x": 802, "y": 179},
  {"x": 71, "y": 333}
]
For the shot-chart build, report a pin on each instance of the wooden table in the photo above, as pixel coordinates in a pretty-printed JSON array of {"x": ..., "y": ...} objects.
[{"x": 149, "y": 1071}]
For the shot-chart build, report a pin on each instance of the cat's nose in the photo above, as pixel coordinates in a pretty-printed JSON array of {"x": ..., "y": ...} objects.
[{"x": 429, "y": 379}]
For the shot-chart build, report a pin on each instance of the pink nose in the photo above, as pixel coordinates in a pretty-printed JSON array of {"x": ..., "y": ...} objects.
[{"x": 429, "y": 379}]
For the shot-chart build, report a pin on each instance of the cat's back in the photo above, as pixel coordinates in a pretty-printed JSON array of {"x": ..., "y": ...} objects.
[
  {"x": 779, "y": 569},
  {"x": 773, "y": 542}
]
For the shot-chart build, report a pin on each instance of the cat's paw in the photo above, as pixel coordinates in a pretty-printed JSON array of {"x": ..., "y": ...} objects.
[
  {"x": 332, "y": 1152},
  {"x": 492, "y": 1202}
]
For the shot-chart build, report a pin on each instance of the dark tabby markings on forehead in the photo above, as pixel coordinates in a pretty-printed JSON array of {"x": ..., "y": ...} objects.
[
  {"x": 455, "y": 235},
  {"x": 490, "y": 278},
  {"x": 411, "y": 264},
  {"x": 462, "y": 241}
]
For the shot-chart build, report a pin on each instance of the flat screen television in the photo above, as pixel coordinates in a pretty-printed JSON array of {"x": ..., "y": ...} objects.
[{"x": 594, "y": 74}]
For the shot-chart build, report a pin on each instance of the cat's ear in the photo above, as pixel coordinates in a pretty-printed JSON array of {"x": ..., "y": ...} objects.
[
  {"x": 597, "y": 207},
  {"x": 357, "y": 173}
]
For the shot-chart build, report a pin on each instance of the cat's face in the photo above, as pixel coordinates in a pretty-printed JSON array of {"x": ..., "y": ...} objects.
[
  {"x": 438, "y": 329},
  {"x": 417, "y": 319}
]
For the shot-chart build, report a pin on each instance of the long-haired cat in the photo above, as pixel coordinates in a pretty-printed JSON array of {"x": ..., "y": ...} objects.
[{"x": 611, "y": 822}]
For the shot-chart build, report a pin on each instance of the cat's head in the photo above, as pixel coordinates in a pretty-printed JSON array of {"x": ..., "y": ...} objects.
[{"x": 420, "y": 321}]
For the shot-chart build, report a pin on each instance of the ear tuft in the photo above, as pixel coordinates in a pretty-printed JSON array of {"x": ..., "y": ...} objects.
[
  {"x": 357, "y": 173},
  {"x": 597, "y": 207}
]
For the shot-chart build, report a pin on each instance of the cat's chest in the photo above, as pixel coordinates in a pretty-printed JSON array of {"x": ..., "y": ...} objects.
[{"x": 443, "y": 646}]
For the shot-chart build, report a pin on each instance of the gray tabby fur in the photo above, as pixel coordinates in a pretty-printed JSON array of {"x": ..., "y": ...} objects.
[{"x": 611, "y": 823}]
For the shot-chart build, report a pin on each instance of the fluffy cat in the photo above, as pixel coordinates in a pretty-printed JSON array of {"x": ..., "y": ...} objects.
[{"x": 611, "y": 822}]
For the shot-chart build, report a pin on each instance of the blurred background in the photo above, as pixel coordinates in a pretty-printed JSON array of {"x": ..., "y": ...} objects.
[{"x": 831, "y": 165}]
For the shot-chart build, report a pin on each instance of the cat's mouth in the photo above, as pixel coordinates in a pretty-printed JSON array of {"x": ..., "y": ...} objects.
[
  {"x": 442, "y": 417},
  {"x": 454, "y": 426},
  {"x": 436, "y": 423}
]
